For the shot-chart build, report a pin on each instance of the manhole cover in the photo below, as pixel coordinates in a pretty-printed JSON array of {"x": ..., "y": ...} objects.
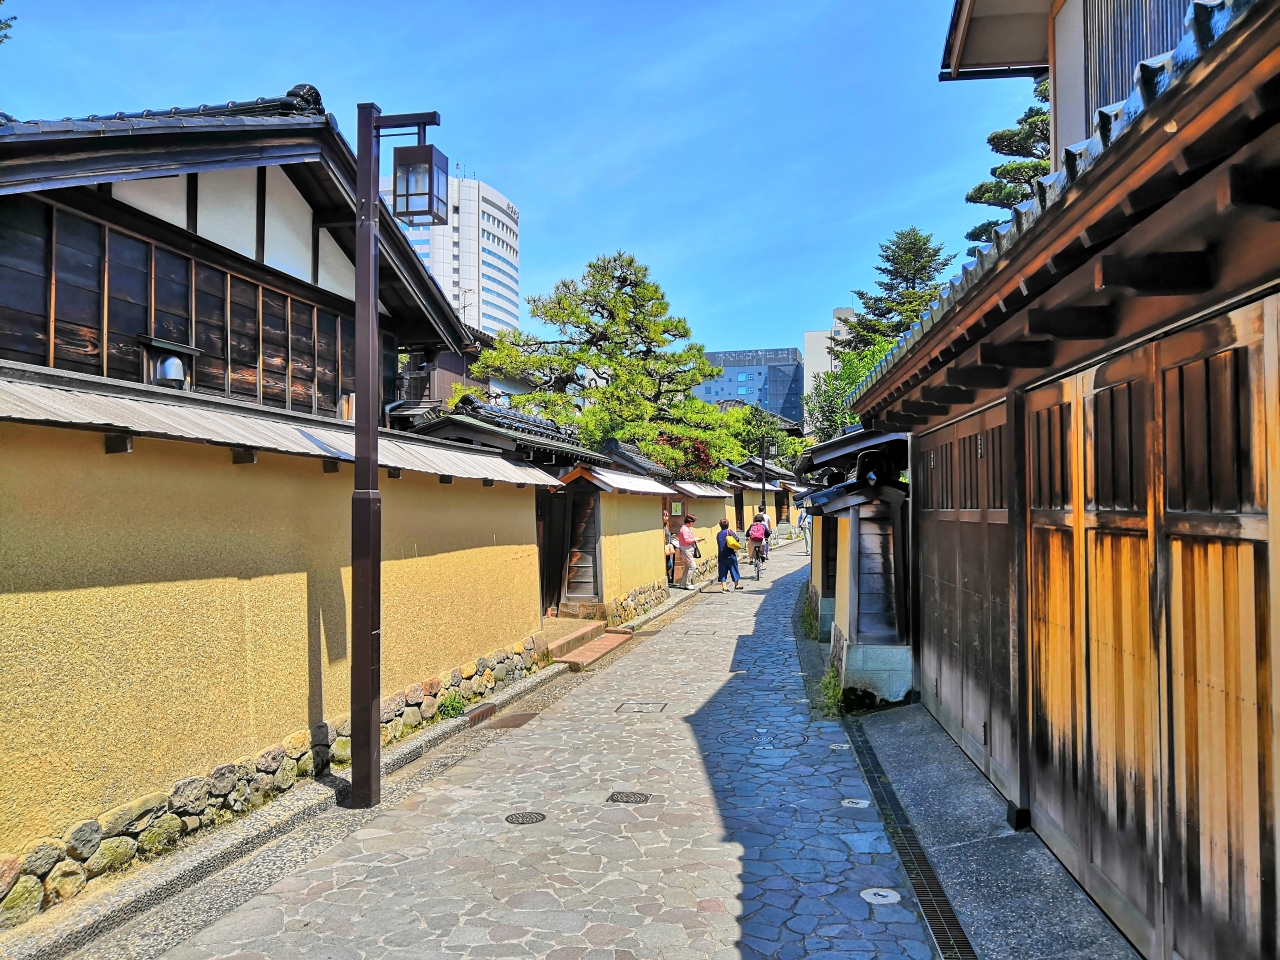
[
  {"x": 633, "y": 707},
  {"x": 763, "y": 740},
  {"x": 839, "y": 746},
  {"x": 880, "y": 895},
  {"x": 525, "y": 817},
  {"x": 627, "y": 796},
  {"x": 856, "y": 804}
]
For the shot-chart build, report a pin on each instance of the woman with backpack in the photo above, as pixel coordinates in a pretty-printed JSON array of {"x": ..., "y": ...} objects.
[{"x": 728, "y": 556}]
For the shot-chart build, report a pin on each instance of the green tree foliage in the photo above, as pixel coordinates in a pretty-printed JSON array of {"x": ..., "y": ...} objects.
[
  {"x": 620, "y": 368},
  {"x": 1012, "y": 181},
  {"x": 910, "y": 264},
  {"x": 750, "y": 425},
  {"x": 6, "y": 24}
]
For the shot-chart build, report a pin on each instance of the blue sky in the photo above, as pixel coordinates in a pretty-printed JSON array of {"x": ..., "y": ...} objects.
[{"x": 753, "y": 154}]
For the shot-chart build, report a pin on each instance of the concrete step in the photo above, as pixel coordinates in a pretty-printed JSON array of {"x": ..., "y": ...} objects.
[
  {"x": 587, "y": 654},
  {"x": 578, "y": 638}
]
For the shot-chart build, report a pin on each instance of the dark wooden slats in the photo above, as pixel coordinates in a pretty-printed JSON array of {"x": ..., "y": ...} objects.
[
  {"x": 348, "y": 354},
  {"x": 1209, "y": 435},
  {"x": 969, "y": 492},
  {"x": 211, "y": 330},
  {"x": 581, "y": 577},
  {"x": 24, "y": 280},
  {"x": 326, "y": 362},
  {"x": 128, "y": 304},
  {"x": 937, "y": 476},
  {"x": 830, "y": 555},
  {"x": 77, "y": 327},
  {"x": 1050, "y": 431},
  {"x": 275, "y": 349},
  {"x": 173, "y": 297},
  {"x": 243, "y": 347},
  {"x": 1119, "y": 454},
  {"x": 994, "y": 453},
  {"x": 302, "y": 360}
]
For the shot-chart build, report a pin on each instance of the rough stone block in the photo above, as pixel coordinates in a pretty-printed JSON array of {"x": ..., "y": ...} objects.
[
  {"x": 269, "y": 760},
  {"x": 342, "y": 750},
  {"x": 259, "y": 789},
  {"x": 488, "y": 679},
  {"x": 412, "y": 716},
  {"x": 413, "y": 694},
  {"x": 161, "y": 835},
  {"x": 297, "y": 743},
  {"x": 9, "y": 873},
  {"x": 114, "y": 853},
  {"x": 500, "y": 672},
  {"x": 324, "y": 733},
  {"x": 287, "y": 775},
  {"x": 82, "y": 839},
  {"x": 22, "y": 902},
  {"x": 431, "y": 687},
  {"x": 319, "y": 761},
  {"x": 528, "y": 643},
  {"x": 455, "y": 676},
  {"x": 191, "y": 824},
  {"x": 344, "y": 727},
  {"x": 246, "y": 769},
  {"x": 539, "y": 647},
  {"x": 429, "y": 708},
  {"x": 306, "y": 765},
  {"x": 133, "y": 817},
  {"x": 39, "y": 856},
  {"x": 238, "y": 799},
  {"x": 189, "y": 796},
  {"x": 518, "y": 648},
  {"x": 386, "y": 709},
  {"x": 527, "y": 659},
  {"x": 222, "y": 779},
  {"x": 64, "y": 882},
  {"x": 469, "y": 669},
  {"x": 467, "y": 689}
]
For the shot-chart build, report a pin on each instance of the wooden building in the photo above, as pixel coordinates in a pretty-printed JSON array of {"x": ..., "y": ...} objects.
[
  {"x": 176, "y": 366},
  {"x": 1095, "y": 415}
]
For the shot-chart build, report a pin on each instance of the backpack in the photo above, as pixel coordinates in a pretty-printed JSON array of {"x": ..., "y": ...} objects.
[{"x": 757, "y": 532}]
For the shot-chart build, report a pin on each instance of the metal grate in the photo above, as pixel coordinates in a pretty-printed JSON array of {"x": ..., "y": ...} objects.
[
  {"x": 635, "y": 706},
  {"x": 525, "y": 817},
  {"x": 953, "y": 943},
  {"x": 509, "y": 721},
  {"x": 479, "y": 713},
  {"x": 627, "y": 796}
]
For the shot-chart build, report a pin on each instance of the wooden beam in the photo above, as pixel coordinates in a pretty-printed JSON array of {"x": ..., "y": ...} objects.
[
  {"x": 947, "y": 394},
  {"x": 904, "y": 419},
  {"x": 1073, "y": 323},
  {"x": 1024, "y": 355},
  {"x": 923, "y": 408},
  {"x": 1254, "y": 191},
  {"x": 978, "y": 376},
  {"x": 1156, "y": 274}
]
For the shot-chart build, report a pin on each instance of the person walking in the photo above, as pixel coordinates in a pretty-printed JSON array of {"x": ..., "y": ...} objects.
[
  {"x": 689, "y": 552},
  {"x": 806, "y": 529},
  {"x": 727, "y": 555},
  {"x": 669, "y": 547}
]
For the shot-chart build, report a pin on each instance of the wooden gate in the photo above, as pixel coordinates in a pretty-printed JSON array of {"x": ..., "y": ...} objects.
[
  {"x": 1150, "y": 632},
  {"x": 966, "y": 579}
]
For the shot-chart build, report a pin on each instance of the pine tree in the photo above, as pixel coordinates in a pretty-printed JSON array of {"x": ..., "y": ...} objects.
[
  {"x": 1028, "y": 143},
  {"x": 6, "y": 23},
  {"x": 910, "y": 263}
]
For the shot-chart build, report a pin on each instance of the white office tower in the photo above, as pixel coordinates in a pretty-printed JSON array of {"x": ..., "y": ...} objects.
[
  {"x": 476, "y": 256},
  {"x": 817, "y": 347}
]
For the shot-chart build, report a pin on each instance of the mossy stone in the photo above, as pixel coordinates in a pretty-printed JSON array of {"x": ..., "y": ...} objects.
[
  {"x": 161, "y": 835},
  {"x": 82, "y": 839},
  {"x": 342, "y": 750},
  {"x": 306, "y": 765},
  {"x": 112, "y": 854},
  {"x": 22, "y": 903},
  {"x": 287, "y": 775},
  {"x": 39, "y": 856}
]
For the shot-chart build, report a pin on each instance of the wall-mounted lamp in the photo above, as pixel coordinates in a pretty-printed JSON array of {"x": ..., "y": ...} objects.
[{"x": 421, "y": 195}]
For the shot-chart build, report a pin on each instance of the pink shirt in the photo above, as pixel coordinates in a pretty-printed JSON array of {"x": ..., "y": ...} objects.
[{"x": 687, "y": 537}]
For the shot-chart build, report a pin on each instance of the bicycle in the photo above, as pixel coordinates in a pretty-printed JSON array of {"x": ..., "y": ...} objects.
[{"x": 757, "y": 557}]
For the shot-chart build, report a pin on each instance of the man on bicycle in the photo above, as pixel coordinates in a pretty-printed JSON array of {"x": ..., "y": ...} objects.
[{"x": 758, "y": 538}]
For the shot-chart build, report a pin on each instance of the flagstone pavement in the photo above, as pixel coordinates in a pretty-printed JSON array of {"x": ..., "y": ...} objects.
[{"x": 756, "y": 841}]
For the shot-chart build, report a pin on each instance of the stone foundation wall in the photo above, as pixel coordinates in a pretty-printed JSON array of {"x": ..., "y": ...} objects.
[
  {"x": 884, "y": 671},
  {"x": 636, "y": 603},
  {"x": 49, "y": 870}
]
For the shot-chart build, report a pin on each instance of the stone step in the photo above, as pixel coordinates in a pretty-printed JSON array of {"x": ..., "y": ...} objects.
[
  {"x": 589, "y": 653},
  {"x": 572, "y": 641}
]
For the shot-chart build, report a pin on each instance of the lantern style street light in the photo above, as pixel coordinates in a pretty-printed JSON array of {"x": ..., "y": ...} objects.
[{"x": 423, "y": 199}]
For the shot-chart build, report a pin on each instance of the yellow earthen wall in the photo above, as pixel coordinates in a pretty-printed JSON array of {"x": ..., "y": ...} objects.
[
  {"x": 815, "y": 555},
  {"x": 164, "y": 611},
  {"x": 709, "y": 512},
  {"x": 843, "y": 557},
  {"x": 631, "y": 542}
]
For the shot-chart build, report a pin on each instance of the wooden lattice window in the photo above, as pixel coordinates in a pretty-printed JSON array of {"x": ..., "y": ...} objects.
[
  {"x": 1119, "y": 453},
  {"x": 1051, "y": 458}
]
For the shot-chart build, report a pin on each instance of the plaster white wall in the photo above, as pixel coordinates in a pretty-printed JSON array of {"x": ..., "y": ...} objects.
[
  {"x": 1070, "y": 123},
  {"x": 287, "y": 233},
  {"x": 163, "y": 197},
  {"x": 337, "y": 273},
  {"x": 227, "y": 208}
]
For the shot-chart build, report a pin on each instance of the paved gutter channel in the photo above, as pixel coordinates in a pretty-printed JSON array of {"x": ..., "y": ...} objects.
[
  {"x": 158, "y": 906},
  {"x": 1011, "y": 896}
]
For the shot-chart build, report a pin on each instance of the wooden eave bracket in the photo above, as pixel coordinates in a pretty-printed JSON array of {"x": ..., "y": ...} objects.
[{"x": 1172, "y": 274}]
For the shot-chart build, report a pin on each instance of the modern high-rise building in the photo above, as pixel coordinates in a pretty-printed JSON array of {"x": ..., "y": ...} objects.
[
  {"x": 475, "y": 257},
  {"x": 817, "y": 346},
  {"x": 772, "y": 378}
]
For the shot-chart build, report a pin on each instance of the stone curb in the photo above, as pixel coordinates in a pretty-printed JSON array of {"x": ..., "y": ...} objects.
[{"x": 85, "y": 919}]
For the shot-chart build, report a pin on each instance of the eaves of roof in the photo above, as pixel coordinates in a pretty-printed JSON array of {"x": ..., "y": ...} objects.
[
  {"x": 55, "y": 154},
  {"x": 520, "y": 439},
  {"x": 1212, "y": 33}
]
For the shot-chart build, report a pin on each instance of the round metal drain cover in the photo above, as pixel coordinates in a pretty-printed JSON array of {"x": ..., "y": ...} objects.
[
  {"x": 764, "y": 740},
  {"x": 525, "y": 817},
  {"x": 880, "y": 895},
  {"x": 628, "y": 796}
]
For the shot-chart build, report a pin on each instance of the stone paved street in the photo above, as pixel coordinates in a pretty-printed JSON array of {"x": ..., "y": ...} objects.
[{"x": 746, "y": 848}]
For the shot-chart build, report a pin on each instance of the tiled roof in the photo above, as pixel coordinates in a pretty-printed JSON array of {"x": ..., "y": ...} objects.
[
  {"x": 515, "y": 421},
  {"x": 1206, "y": 23},
  {"x": 301, "y": 104},
  {"x": 630, "y": 455}
]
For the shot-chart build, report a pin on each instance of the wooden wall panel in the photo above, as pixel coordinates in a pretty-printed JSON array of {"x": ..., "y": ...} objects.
[{"x": 1223, "y": 807}]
